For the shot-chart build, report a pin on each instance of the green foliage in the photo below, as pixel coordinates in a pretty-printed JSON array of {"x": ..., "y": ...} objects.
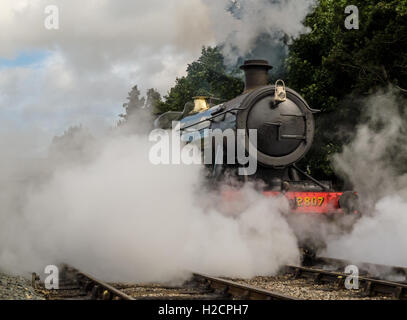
[
  {"x": 332, "y": 65},
  {"x": 138, "y": 107},
  {"x": 206, "y": 76}
]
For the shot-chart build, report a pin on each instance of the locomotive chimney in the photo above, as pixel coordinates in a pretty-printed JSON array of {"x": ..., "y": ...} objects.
[{"x": 256, "y": 73}]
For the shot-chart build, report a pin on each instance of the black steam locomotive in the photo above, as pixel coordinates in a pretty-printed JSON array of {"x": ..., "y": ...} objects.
[{"x": 285, "y": 131}]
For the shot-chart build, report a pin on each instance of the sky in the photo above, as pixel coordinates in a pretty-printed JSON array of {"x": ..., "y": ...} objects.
[{"x": 81, "y": 73}]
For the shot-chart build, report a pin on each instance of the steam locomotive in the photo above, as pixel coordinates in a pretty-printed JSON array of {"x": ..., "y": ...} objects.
[{"x": 285, "y": 131}]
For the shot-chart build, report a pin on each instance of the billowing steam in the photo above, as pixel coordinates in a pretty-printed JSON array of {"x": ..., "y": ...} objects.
[
  {"x": 375, "y": 162},
  {"x": 81, "y": 72},
  {"x": 103, "y": 207},
  {"x": 240, "y": 27},
  {"x": 97, "y": 202}
]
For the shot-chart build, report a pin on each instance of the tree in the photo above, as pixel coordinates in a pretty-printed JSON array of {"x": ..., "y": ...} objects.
[
  {"x": 134, "y": 103},
  {"x": 332, "y": 67},
  {"x": 206, "y": 76},
  {"x": 152, "y": 101},
  {"x": 140, "y": 111}
]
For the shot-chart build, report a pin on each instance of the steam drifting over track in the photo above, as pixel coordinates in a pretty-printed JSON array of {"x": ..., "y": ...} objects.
[
  {"x": 76, "y": 284},
  {"x": 323, "y": 280}
]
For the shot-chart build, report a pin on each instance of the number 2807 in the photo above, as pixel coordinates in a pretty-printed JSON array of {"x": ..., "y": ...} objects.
[{"x": 310, "y": 201}]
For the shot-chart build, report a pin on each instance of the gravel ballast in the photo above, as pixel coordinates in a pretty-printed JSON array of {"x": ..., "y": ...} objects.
[
  {"x": 17, "y": 288},
  {"x": 20, "y": 288}
]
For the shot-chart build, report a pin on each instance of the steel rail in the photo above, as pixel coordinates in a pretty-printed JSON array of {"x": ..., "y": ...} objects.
[
  {"x": 239, "y": 291},
  {"x": 108, "y": 292},
  {"x": 370, "y": 287},
  {"x": 367, "y": 266},
  {"x": 98, "y": 288}
]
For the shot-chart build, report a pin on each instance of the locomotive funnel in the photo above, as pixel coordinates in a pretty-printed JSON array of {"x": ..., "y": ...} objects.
[{"x": 256, "y": 73}]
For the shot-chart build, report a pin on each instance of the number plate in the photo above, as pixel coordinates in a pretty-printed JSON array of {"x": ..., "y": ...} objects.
[
  {"x": 319, "y": 202},
  {"x": 310, "y": 201}
]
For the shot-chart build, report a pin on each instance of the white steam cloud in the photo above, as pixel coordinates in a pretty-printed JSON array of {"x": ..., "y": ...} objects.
[
  {"x": 114, "y": 214},
  {"x": 239, "y": 28},
  {"x": 110, "y": 211},
  {"x": 375, "y": 162}
]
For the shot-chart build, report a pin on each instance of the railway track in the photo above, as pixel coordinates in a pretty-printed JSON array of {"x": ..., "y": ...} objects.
[
  {"x": 325, "y": 280},
  {"x": 326, "y": 275},
  {"x": 78, "y": 285},
  {"x": 382, "y": 271},
  {"x": 240, "y": 291},
  {"x": 371, "y": 278}
]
